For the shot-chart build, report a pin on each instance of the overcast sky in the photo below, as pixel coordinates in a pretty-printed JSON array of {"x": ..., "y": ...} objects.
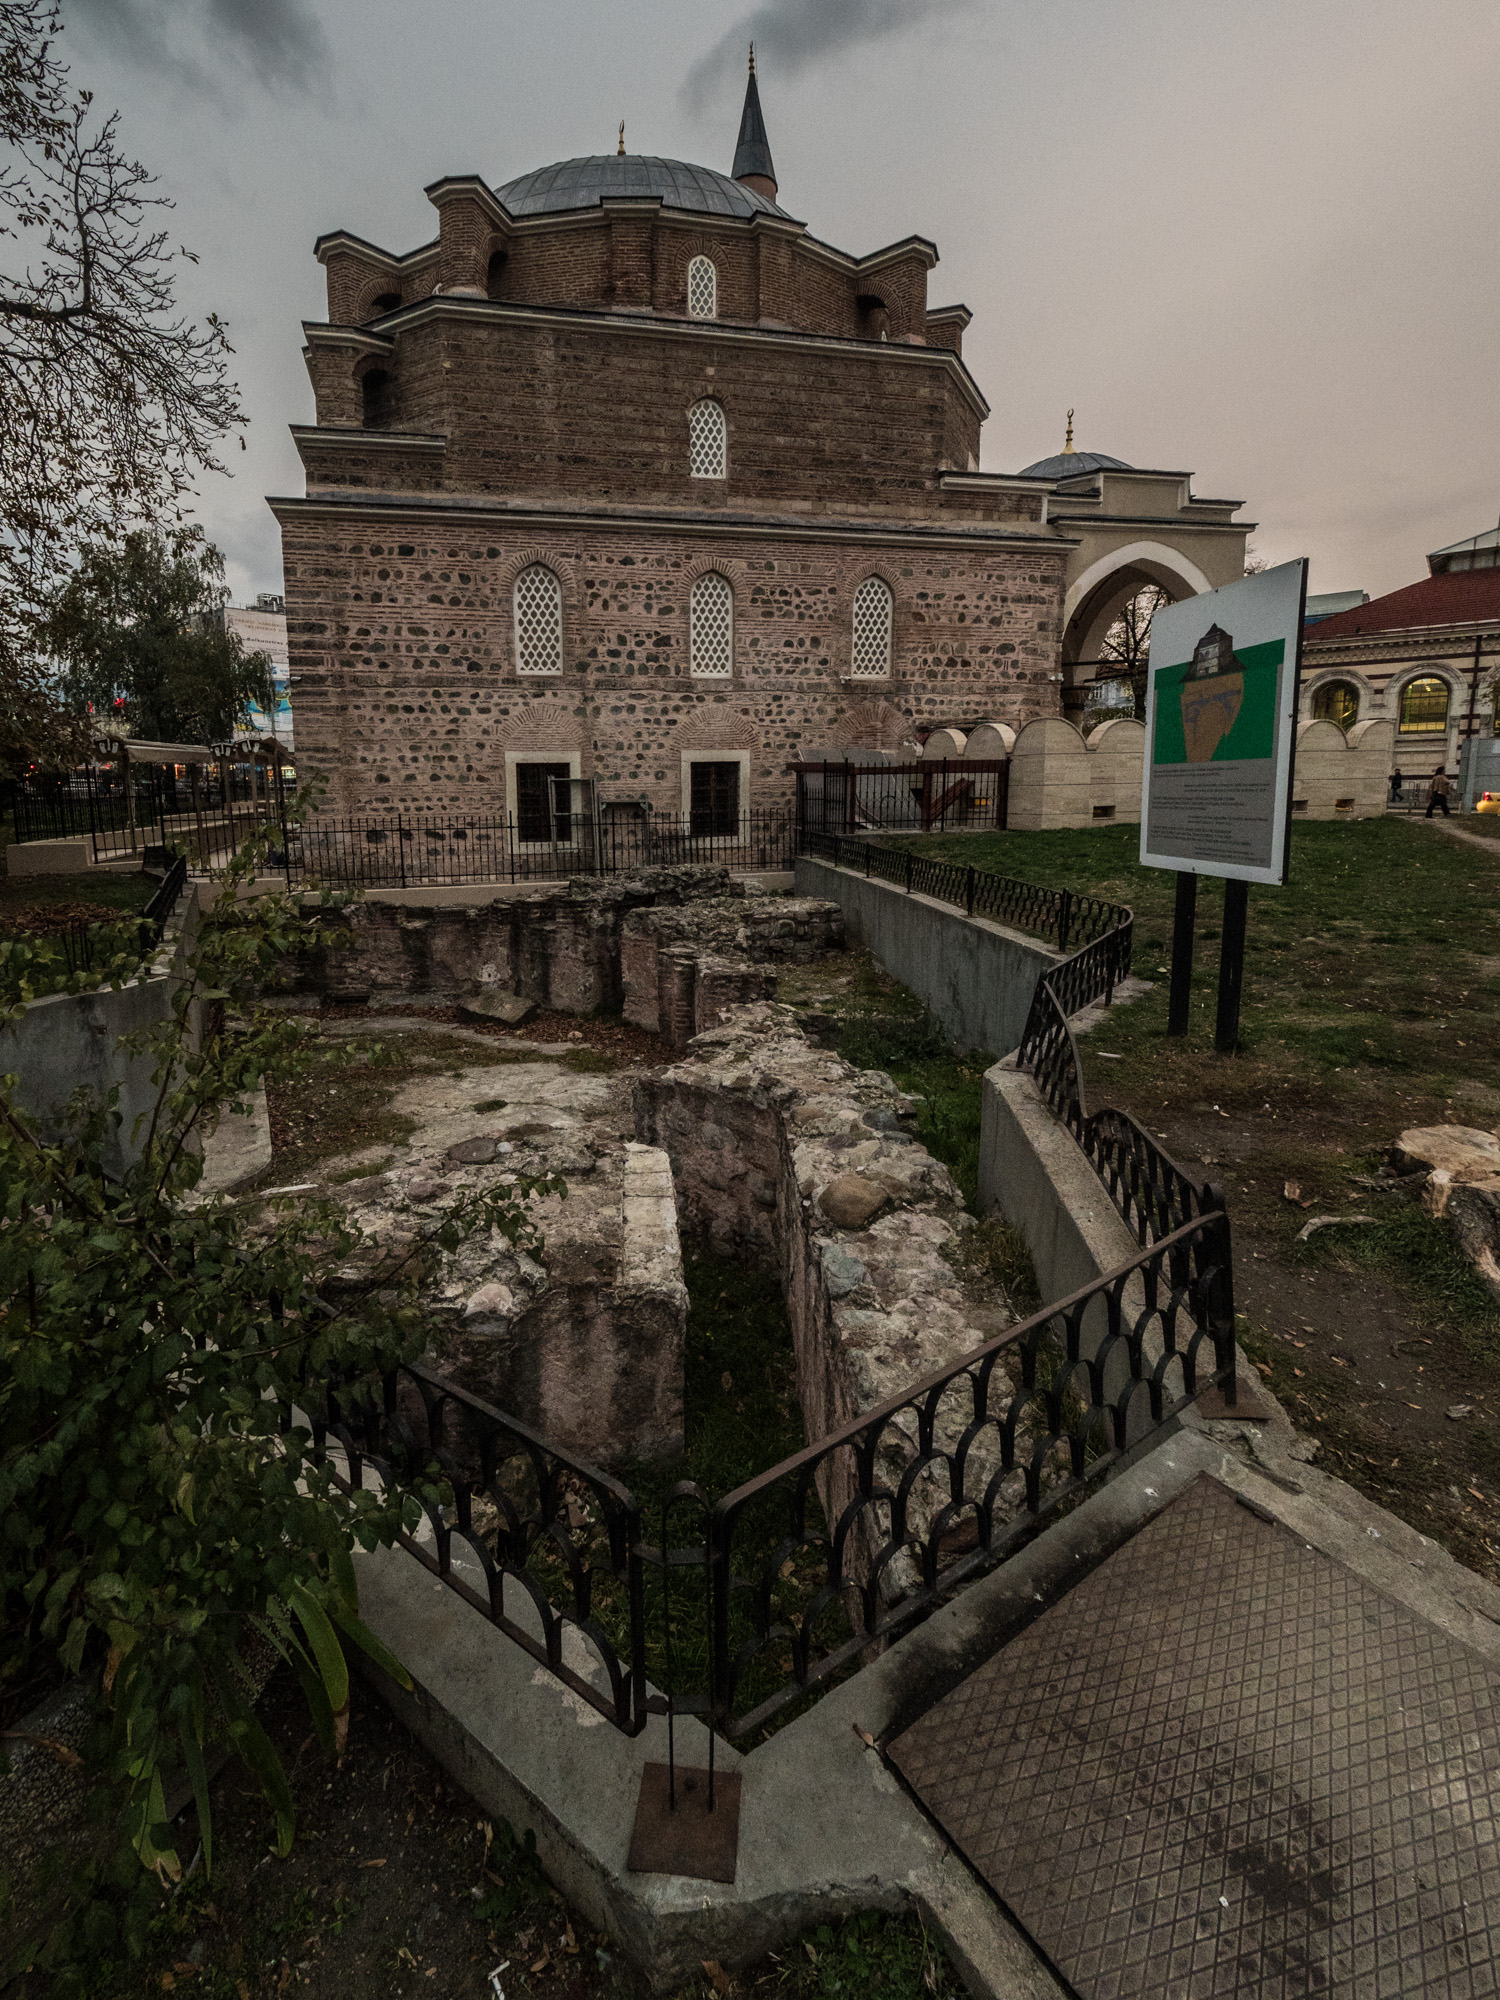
[{"x": 1256, "y": 242}]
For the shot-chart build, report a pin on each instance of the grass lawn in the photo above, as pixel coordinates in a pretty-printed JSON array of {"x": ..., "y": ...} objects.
[
  {"x": 1371, "y": 994},
  {"x": 32, "y": 905}
]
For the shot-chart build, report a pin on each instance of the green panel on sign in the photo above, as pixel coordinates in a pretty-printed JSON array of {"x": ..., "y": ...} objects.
[{"x": 1222, "y": 718}]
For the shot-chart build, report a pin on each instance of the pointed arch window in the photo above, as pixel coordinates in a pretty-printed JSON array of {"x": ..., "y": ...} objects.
[
  {"x": 707, "y": 440},
  {"x": 703, "y": 288},
  {"x": 538, "y": 621},
  {"x": 871, "y": 656},
  {"x": 711, "y": 622}
]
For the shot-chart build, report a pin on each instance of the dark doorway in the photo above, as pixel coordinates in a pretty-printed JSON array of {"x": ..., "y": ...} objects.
[
  {"x": 542, "y": 815},
  {"x": 714, "y": 800}
]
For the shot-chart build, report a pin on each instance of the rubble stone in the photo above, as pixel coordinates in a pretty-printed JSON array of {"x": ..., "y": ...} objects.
[{"x": 851, "y": 1202}]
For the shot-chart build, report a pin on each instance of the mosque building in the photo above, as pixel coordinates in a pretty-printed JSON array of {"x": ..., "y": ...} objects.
[{"x": 628, "y": 477}]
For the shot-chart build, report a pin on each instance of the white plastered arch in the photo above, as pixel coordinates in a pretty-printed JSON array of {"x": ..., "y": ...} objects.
[{"x": 1155, "y": 560}]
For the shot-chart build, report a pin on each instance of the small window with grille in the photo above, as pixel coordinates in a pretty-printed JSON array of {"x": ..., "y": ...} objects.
[
  {"x": 871, "y": 658},
  {"x": 711, "y": 617},
  {"x": 703, "y": 289},
  {"x": 538, "y": 621},
  {"x": 707, "y": 453},
  {"x": 714, "y": 800}
]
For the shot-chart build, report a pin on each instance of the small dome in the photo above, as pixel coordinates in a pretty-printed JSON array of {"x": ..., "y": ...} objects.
[
  {"x": 583, "y": 183},
  {"x": 1069, "y": 464}
]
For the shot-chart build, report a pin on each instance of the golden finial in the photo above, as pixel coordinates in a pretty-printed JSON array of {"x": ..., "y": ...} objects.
[
  {"x": 752, "y": 58},
  {"x": 620, "y": 149},
  {"x": 1068, "y": 442}
]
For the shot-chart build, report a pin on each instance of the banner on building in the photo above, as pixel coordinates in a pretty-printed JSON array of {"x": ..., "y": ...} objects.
[{"x": 1221, "y": 728}]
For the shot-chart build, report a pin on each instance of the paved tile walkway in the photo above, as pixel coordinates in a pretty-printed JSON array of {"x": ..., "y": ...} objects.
[{"x": 1225, "y": 1765}]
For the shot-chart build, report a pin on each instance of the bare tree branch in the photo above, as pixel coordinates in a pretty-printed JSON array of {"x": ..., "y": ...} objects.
[{"x": 111, "y": 400}]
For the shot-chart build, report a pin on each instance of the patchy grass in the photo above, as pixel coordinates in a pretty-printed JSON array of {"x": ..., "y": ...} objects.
[
  {"x": 400, "y": 1885},
  {"x": 1371, "y": 988},
  {"x": 881, "y": 1025}
]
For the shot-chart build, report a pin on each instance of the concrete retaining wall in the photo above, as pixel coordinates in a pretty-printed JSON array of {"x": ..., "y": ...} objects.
[
  {"x": 976, "y": 976},
  {"x": 70, "y": 1041}
]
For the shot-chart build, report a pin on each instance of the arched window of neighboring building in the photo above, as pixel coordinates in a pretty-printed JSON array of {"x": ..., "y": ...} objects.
[
  {"x": 538, "y": 621},
  {"x": 375, "y": 398},
  {"x": 871, "y": 659},
  {"x": 707, "y": 440},
  {"x": 1337, "y": 701},
  {"x": 711, "y": 621},
  {"x": 703, "y": 288},
  {"x": 386, "y": 303},
  {"x": 495, "y": 275},
  {"x": 1424, "y": 706}
]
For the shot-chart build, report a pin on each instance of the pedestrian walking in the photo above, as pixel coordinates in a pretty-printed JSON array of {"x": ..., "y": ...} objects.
[
  {"x": 1437, "y": 793},
  {"x": 1395, "y": 788}
]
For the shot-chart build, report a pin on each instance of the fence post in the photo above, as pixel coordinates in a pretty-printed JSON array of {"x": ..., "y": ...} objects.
[
  {"x": 868, "y": 846},
  {"x": 908, "y": 871},
  {"x": 969, "y": 892},
  {"x": 1064, "y": 918},
  {"x": 401, "y": 845}
]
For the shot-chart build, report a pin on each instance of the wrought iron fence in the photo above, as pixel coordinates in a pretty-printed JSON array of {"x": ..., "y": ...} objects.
[
  {"x": 934, "y": 795},
  {"x": 839, "y": 1548},
  {"x": 95, "y": 946},
  {"x": 1060, "y": 914},
  {"x": 403, "y": 850}
]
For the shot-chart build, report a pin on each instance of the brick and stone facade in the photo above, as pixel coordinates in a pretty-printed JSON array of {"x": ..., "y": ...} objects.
[{"x": 519, "y": 393}]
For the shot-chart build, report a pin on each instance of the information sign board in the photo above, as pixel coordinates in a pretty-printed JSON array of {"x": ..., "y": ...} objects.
[{"x": 1221, "y": 728}]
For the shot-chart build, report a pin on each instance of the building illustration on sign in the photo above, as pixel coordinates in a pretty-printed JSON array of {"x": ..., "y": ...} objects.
[{"x": 1211, "y": 693}]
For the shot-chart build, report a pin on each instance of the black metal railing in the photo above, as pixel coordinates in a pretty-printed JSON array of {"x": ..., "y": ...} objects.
[
  {"x": 405, "y": 850},
  {"x": 839, "y": 1548},
  {"x": 1062, "y": 915},
  {"x": 932, "y": 795},
  {"x": 92, "y": 946}
]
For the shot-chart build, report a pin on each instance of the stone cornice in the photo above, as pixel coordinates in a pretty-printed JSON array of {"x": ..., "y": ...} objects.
[
  {"x": 776, "y": 527},
  {"x": 344, "y": 239},
  {"x": 1418, "y": 643},
  {"x": 317, "y": 333},
  {"x": 442, "y": 305},
  {"x": 1177, "y": 522},
  {"x": 469, "y": 187},
  {"x": 349, "y": 439}
]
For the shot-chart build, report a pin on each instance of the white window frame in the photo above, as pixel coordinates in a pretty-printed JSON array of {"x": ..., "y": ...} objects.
[
  {"x": 556, "y": 667},
  {"x": 695, "y": 270},
  {"x": 574, "y": 761},
  {"x": 740, "y": 757},
  {"x": 857, "y": 671},
  {"x": 695, "y": 666},
  {"x": 699, "y": 466}
]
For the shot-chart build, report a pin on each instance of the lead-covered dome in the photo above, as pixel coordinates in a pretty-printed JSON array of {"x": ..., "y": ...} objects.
[
  {"x": 1069, "y": 464},
  {"x": 583, "y": 183}
]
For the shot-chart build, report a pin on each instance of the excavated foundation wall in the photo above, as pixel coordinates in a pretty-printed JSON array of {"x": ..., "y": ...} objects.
[
  {"x": 783, "y": 1153},
  {"x": 673, "y": 947}
]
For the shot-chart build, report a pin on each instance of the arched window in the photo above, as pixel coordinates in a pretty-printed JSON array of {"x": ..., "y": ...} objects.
[
  {"x": 538, "y": 621},
  {"x": 494, "y": 277},
  {"x": 707, "y": 450},
  {"x": 1424, "y": 706},
  {"x": 375, "y": 398},
  {"x": 1337, "y": 701},
  {"x": 871, "y": 659},
  {"x": 703, "y": 288},
  {"x": 386, "y": 303},
  {"x": 711, "y": 619}
]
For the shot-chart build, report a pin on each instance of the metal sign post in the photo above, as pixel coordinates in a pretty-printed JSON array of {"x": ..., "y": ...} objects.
[{"x": 1221, "y": 732}]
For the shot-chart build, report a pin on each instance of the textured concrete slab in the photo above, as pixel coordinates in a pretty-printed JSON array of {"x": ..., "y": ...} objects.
[{"x": 1226, "y": 1764}]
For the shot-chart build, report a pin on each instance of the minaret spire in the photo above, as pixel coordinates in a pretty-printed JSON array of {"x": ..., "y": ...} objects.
[{"x": 752, "y": 156}]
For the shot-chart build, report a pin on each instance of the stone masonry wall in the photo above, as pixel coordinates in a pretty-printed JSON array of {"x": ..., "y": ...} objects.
[
  {"x": 401, "y": 634},
  {"x": 783, "y": 1153}
]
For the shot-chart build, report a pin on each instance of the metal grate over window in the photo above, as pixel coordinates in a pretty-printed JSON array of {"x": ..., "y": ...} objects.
[
  {"x": 703, "y": 289},
  {"x": 538, "y": 621},
  {"x": 872, "y": 630},
  {"x": 706, "y": 440},
  {"x": 711, "y": 616}
]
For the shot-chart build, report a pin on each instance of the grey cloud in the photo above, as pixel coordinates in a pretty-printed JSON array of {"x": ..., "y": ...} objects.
[
  {"x": 795, "y": 33},
  {"x": 280, "y": 40}
]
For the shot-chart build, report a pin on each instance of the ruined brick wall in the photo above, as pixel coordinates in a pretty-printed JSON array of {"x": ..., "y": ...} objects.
[{"x": 401, "y": 635}]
